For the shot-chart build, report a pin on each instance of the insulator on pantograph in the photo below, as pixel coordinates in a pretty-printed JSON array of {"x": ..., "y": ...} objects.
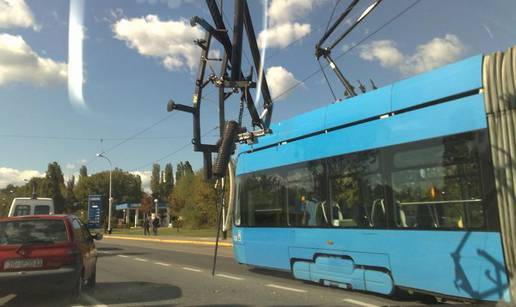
[
  {"x": 361, "y": 86},
  {"x": 372, "y": 84}
]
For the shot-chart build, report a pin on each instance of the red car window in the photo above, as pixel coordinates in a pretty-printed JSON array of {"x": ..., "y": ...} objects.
[
  {"x": 26, "y": 231},
  {"x": 77, "y": 231}
]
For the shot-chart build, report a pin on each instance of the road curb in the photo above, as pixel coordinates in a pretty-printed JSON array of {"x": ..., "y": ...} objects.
[{"x": 170, "y": 241}]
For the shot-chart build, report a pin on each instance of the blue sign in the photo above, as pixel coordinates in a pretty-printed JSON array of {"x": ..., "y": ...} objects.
[{"x": 94, "y": 211}]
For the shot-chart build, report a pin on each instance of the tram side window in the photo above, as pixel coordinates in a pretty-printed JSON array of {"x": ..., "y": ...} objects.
[
  {"x": 264, "y": 200},
  {"x": 438, "y": 184},
  {"x": 356, "y": 191},
  {"x": 306, "y": 195}
]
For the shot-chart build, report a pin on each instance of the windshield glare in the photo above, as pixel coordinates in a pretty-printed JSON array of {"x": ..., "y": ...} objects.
[{"x": 257, "y": 152}]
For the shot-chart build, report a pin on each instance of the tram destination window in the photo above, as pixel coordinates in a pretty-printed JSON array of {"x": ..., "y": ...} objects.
[{"x": 437, "y": 184}]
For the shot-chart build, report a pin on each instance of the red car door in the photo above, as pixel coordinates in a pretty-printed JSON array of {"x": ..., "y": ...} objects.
[{"x": 83, "y": 244}]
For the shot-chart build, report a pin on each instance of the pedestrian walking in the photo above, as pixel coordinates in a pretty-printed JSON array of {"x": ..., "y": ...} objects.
[
  {"x": 155, "y": 225},
  {"x": 146, "y": 226}
]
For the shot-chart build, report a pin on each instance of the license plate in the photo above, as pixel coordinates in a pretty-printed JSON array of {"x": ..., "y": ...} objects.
[{"x": 23, "y": 263}]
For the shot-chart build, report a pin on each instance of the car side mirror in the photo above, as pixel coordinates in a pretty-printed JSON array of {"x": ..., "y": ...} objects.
[{"x": 97, "y": 236}]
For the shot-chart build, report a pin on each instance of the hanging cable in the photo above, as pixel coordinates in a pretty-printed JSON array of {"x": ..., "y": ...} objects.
[
  {"x": 173, "y": 152},
  {"x": 331, "y": 16},
  {"x": 327, "y": 81},
  {"x": 314, "y": 73},
  {"x": 317, "y": 71}
]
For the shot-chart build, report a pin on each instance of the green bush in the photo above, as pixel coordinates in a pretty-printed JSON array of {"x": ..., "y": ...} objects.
[{"x": 195, "y": 201}]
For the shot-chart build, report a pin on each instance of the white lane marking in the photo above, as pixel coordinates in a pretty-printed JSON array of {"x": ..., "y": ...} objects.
[
  {"x": 123, "y": 256},
  {"x": 162, "y": 264},
  {"x": 141, "y": 259},
  {"x": 191, "y": 269},
  {"x": 359, "y": 303},
  {"x": 229, "y": 276},
  {"x": 104, "y": 252},
  {"x": 6, "y": 299},
  {"x": 286, "y": 288}
]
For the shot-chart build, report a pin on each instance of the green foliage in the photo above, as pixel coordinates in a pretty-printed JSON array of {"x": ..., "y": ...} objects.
[
  {"x": 83, "y": 172},
  {"x": 52, "y": 185},
  {"x": 155, "y": 181},
  {"x": 81, "y": 189},
  {"x": 168, "y": 181},
  {"x": 146, "y": 203},
  {"x": 179, "y": 171},
  {"x": 182, "y": 169},
  {"x": 70, "y": 198},
  {"x": 40, "y": 185},
  {"x": 55, "y": 181},
  {"x": 189, "y": 196},
  {"x": 126, "y": 188},
  {"x": 188, "y": 168},
  {"x": 162, "y": 182},
  {"x": 194, "y": 200},
  {"x": 6, "y": 197}
]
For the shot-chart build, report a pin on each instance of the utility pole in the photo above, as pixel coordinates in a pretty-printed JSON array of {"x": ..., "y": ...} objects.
[{"x": 110, "y": 202}]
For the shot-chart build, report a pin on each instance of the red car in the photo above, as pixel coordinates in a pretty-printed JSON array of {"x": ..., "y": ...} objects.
[{"x": 46, "y": 252}]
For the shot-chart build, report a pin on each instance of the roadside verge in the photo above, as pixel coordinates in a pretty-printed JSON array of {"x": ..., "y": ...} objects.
[{"x": 191, "y": 241}]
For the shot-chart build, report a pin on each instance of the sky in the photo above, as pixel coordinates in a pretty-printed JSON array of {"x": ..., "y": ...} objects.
[{"x": 137, "y": 55}]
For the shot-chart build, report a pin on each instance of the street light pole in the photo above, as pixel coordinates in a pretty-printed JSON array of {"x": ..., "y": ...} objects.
[
  {"x": 156, "y": 207},
  {"x": 100, "y": 155}
]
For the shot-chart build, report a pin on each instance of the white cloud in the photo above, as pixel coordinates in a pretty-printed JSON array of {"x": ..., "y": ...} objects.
[
  {"x": 19, "y": 63},
  {"x": 170, "y": 41},
  {"x": 384, "y": 51},
  {"x": 145, "y": 177},
  {"x": 282, "y": 35},
  {"x": 280, "y": 80},
  {"x": 286, "y": 11},
  {"x": 16, "y": 13},
  {"x": 70, "y": 166},
  {"x": 173, "y": 4},
  {"x": 283, "y": 25},
  {"x": 437, "y": 52},
  {"x": 16, "y": 177}
]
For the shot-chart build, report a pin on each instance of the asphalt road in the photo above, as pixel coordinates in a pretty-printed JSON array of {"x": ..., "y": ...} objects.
[{"x": 133, "y": 273}]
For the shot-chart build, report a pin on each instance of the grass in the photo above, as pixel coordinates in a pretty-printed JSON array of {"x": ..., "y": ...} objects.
[{"x": 183, "y": 232}]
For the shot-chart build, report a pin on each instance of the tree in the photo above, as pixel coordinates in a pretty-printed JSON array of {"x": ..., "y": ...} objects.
[
  {"x": 155, "y": 181},
  {"x": 182, "y": 169},
  {"x": 6, "y": 198},
  {"x": 127, "y": 187},
  {"x": 188, "y": 168},
  {"x": 81, "y": 189},
  {"x": 195, "y": 200},
  {"x": 179, "y": 171},
  {"x": 83, "y": 172},
  {"x": 146, "y": 203},
  {"x": 70, "y": 192},
  {"x": 55, "y": 181},
  {"x": 168, "y": 180}
]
